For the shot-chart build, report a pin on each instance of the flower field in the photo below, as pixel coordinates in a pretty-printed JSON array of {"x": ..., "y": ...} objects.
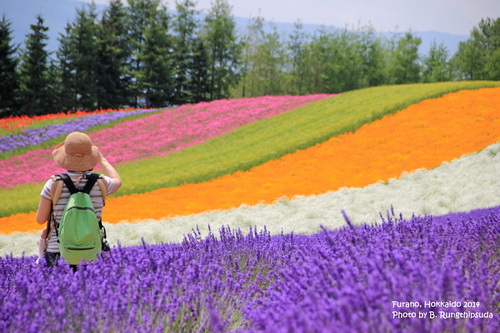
[
  {"x": 46, "y": 134},
  {"x": 131, "y": 140},
  {"x": 11, "y": 125},
  {"x": 353, "y": 202}
]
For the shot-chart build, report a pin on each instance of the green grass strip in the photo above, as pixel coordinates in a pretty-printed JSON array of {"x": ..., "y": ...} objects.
[{"x": 259, "y": 142}]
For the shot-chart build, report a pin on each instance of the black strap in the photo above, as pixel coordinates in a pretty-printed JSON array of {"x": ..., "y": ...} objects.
[
  {"x": 101, "y": 226},
  {"x": 69, "y": 183},
  {"x": 51, "y": 217},
  {"x": 91, "y": 180}
]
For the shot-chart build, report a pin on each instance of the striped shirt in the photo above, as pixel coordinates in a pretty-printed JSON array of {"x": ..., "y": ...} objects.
[{"x": 80, "y": 181}]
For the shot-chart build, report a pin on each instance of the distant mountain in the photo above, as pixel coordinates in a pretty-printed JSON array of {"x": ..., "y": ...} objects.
[{"x": 57, "y": 13}]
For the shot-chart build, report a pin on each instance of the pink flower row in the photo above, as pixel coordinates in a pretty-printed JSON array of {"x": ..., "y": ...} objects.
[{"x": 158, "y": 134}]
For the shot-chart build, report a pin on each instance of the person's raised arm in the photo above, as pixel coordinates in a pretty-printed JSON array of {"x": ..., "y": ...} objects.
[{"x": 110, "y": 171}]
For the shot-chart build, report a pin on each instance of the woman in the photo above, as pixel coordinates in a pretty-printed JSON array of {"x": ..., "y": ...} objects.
[{"x": 78, "y": 155}]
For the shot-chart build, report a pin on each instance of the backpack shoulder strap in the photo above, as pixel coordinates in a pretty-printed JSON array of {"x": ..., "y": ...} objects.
[
  {"x": 103, "y": 186},
  {"x": 55, "y": 195},
  {"x": 69, "y": 183},
  {"x": 91, "y": 180},
  {"x": 56, "y": 189}
]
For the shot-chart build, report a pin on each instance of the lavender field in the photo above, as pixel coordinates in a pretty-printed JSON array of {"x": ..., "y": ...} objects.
[{"x": 381, "y": 278}]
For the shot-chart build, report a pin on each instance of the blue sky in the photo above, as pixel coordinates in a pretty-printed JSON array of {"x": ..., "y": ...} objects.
[
  {"x": 453, "y": 19},
  {"x": 450, "y": 16}
]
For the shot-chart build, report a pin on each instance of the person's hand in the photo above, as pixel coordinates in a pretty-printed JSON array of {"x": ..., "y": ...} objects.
[
  {"x": 101, "y": 158},
  {"x": 110, "y": 171}
]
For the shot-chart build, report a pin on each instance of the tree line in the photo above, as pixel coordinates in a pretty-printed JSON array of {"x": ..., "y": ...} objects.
[{"x": 142, "y": 55}]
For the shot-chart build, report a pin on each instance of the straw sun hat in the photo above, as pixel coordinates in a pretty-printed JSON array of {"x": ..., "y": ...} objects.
[{"x": 76, "y": 153}]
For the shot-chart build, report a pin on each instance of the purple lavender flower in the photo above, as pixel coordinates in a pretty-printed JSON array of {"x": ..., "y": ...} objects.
[{"x": 356, "y": 279}]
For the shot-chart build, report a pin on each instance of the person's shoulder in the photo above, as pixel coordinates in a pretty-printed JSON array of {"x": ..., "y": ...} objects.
[
  {"x": 105, "y": 178},
  {"x": 109, "y": 182},
  {"x": 47, "y": 188},
  {"x": 53, "y": 179}
]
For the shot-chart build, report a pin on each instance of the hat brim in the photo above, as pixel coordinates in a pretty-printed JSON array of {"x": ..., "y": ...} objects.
[{"x": 75, "y": 163}]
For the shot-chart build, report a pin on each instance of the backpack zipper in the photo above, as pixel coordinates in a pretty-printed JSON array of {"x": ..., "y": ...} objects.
[
  {"x": 82, "y": 208},
  {"x": 80, "y": 249}
]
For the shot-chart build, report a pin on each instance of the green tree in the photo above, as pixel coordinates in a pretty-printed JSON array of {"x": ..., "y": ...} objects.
[
  {"x": 67, "y": 93},
  {"x": 478, "y": 58},
  {"x": 155, "y": 72},
  {"x": 490, "y": 36},
  {"x": 297, "y": 46},
  {"x": 113, "y": 52},
  {"x": 319, "y": 59},
  {"x": 141, "y": 13},
  {"x": 372, "y": 52},
  {"x": 224, "y": 49},
  {"x": 436, "y": 65},
  {"x": 469, "y": 60},
  {"x": 349, "y": 63},
  {"x": 271, "y": 63},
  {"x": 199, "y": 76},
  {"x": 264, "y": 60},
  {"x": 9, "y": 78},
  {"x": 335, "y": 61},
  {"x": 84, "y": 57},
  {"x": 36, "y": 88},
  {"x": 251, "y": 43},
  {"x": 405, "y": 66},
  {"x": 185, "y": 27}
]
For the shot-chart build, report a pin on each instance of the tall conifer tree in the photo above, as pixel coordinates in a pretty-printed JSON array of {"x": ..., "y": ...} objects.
[
  {"x": 199, "y": 84},
  {"x": 82, "y": 57},
  {"x": 9, "y": 78},
  {"x": 113, "y": 53},
  {"x": 36, "y": 87},
  {"x": 141, "y": 14},
  {"x": 223, "y": 48},
  {"x": 66, "y": 69},
  {"x": 185, "y": 28},
  {"x": 155, "y": 72}
]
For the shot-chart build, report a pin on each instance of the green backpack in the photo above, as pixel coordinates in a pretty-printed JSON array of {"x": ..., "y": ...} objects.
[{"x": 79, "y": 231}]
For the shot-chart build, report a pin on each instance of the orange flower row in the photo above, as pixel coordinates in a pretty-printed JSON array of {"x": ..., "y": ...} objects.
[{"x": 421, "y": 136}]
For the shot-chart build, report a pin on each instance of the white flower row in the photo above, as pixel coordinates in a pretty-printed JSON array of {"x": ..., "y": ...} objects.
[{"x": 467, "y": 183}]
